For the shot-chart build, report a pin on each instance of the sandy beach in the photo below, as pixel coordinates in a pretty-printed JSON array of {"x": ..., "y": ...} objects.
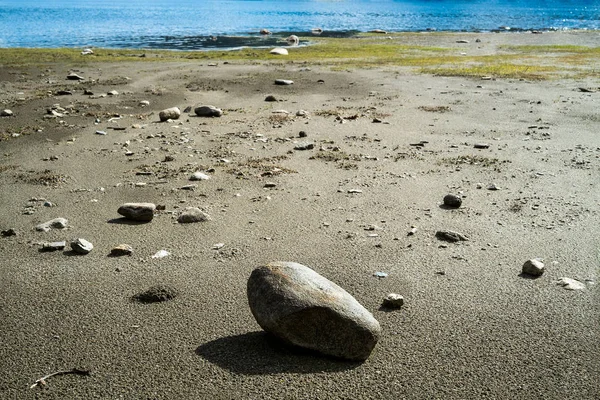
[{"x": 388, "y": 144}]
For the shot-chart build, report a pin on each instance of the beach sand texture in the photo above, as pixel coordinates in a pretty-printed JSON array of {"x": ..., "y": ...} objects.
[{"x": 389, "y": 144}]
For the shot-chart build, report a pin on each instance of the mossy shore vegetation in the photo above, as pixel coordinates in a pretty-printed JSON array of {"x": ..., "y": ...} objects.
[{"x": 442, "y": 54}]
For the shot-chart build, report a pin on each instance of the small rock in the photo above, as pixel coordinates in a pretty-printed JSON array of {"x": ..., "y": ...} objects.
[
  {"x": 64, "y": 93},
  {"x": 56, "y": 223},
  {"x": 54, "y": 246},
  {"x": 121, "y": 250},
  {"x": 189, "y": 187},
  {"x": 301, "y": 307},
  {"x": 412, "y": 231},
  {"x": 302, "y": 134},
  {"x": 81, "y": 246},
  {"x": 144, "y": 103},
  {"x": 302, "y": 113},
  {"x": 115, "y": 93},
  {"x": 270, "y": 184},
  {"x": 462, "y": 41},
  {"x": 283, "y": 82},
  {"x": 74, "y": 77},
  {"x": 533, "y": 267},
  {"x": 161, "y": 254},
  {"x": 199, "y": 176},
  {"x": 481, "y": 146},
  {"x": 279, "y": 51},
  {"x": 452, "y": 200},
  {"x": 208, "y": 111},
  {"x": 100, "y": 133},
  {"x": 87, "y": 52},
  {"x": 218, "y": 246},
  {"x": 571, "y": 284},
  {"x": 168, "y": 158},
  {"x": 6, "y": 113},
  {"x": 156, "y": 294},
  {"x": 9, "y": 232},
  {"x": 270, "y": 98},
  {"x": 137, "y": 211},
  {"x": 169, "y": 113},
  {"x": 450, "y": 236},
  {"x": 193, "y": 214},
  {"x": 393, "y": 300},
  {"x": 265, "y": 31},
  {"x": 354, "y": 191},
  {"x": 493, "y": 187},
  {"x": 304, "y": 146},
  {"x": 380, "y": 274}
]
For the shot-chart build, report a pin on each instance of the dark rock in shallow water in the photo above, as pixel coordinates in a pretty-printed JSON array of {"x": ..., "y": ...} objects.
[{"x": 301, "y": 307}]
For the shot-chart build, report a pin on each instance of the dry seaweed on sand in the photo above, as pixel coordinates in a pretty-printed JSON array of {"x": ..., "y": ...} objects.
[{"x": 74, "y": 371}]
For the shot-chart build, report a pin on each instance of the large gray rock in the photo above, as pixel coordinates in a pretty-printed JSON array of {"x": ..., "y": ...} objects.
[
  {"x": 169, "y": 113},
  {"x": 533, "y": 267},
  {"x": 137, "y": 211},
  {"x": 208, "y": 111},
  {"x": 81, "y": 246},
  {"x": 301, "y": 307}
]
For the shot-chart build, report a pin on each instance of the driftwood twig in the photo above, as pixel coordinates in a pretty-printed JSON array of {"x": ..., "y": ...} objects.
[{"x": 76, "y": 371}]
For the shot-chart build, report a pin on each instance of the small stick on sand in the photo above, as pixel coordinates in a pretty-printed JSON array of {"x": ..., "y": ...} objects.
[{"x": 42, "y": 380}]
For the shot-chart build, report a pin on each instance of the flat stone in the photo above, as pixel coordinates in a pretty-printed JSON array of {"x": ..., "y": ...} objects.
[
  {"x": 137, "y": 211},
  {"x": 303, "y": 308},
  {"x": 270, "y": 98},
  {"x": 304, "y": 146},
  {"x": 199, "y": 176},
  {"x": 279, "y": 51},
  {"x": 169, "y": 113},
  {"x": 571, "y": 284},
  {"x": 121, "y": 250},
  {"x": 81, "y": 246},
  {"x": 283, "y": 82},
  {"x": 56, "y": 223},
  {"x": 193, "y": 214},
  {"x": 533, "y": 267},
  {"x": 54, "y": 246},
  {"x": 208, "y": 111},
  {"x": 113, "y": 93},
  {"x": 452, "y": 200},
  {"x": 9, "y": 232},
  {"x": 192, "y": 187},
  {"x": 74, "y": 77},
  {"x": 156, "y": 294},
  {"x": 393, "y": 300},
  {"x": 450, "y": 236},
  {"x": 144, "y": 103},
  {"x": 481, "y": 146},
  {"x": 6, "y": 113}
]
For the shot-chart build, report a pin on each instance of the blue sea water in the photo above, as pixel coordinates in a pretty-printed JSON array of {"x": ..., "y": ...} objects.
[{"x": 198, "y": 24}]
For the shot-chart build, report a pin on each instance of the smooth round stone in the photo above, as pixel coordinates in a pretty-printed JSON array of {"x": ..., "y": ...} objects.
[
  {"x": 533, "y": 267},
  {"x": 169, "y": 113},
  {"x": 270, "y": 98},
  {"x": 452, "y": 200},
  {"x": 193, "y": 214},
  {"x": 81, "y": 246},
  {"x": 303, "y": 308},
  {"x": 208, "y": 111},
  {"x": 137, "y": 211}
]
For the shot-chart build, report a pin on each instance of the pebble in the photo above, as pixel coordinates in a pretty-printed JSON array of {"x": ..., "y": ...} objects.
[
  {"x": 100, "y": 133},
  {"x": 208, "y": 111},
  {"x": 74, "y": 77},
  {"x": 533, "y": 267},
  {"x": 302, "y": 113},
  {"x": 56, "y": 223},
  {"x": 481, "y": 145},
  {"x": 156, "y": 294},
  {"x": 144, "y": 103},
  {"x": 218, "y": 246},
  {"x": 193, "y": 214},
  {"x": 54, "y": 246},
  {"x": 451, "y": 236},
  {"x": 9, "y": 232},
  {"x": 6, "y": 113},
  {"x": 452, "y": 200},
  {"x": 570, "y": 284},
  {"x": 354, "y": 191},
  {"x": 493, "y": 187},
  {"x": 301, "y": 307},
  {"x": 284, "y": 82},
  {"x": 121, "y": 250},
  {"x": 81, "y": 246},
  {"x": 137, "y": 211},
  {"x": 189, "y": 187},
  {"x": 169, "y": 113},
  {"x": 199, "y": 176},
  {"x": 302, "y": 134},
  {"x": 113, "y": 93},
  {"x": 380, "y": 274},
  {"x": 270, "y": 98},
  {"x": 304, "y": 146},
  {"x": 270, "y": 184},
  {"x": 393, "y": 300},
  {"x": 161, "y": 254},
  {"x": 279, "y": 51}
]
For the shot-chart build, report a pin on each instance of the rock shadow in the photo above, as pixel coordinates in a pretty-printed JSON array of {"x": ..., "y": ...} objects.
[
  {"x": 125, "y": 221},
  {"x": 527, "y": 276},
  {"x": 258, "y": 353}
]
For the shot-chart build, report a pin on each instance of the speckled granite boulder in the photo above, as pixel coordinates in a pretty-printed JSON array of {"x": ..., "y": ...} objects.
[{"x": 301, "y": 307}]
